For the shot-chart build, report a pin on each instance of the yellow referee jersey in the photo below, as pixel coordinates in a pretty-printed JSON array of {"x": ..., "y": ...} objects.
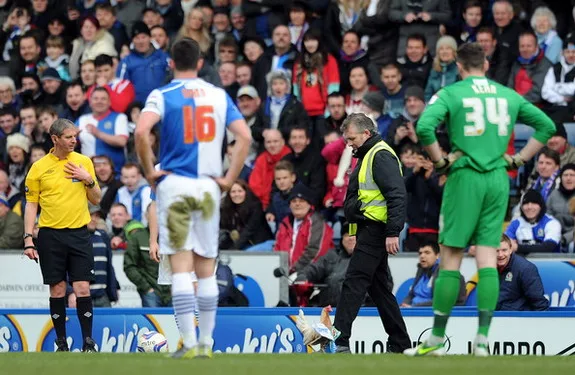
[{"x": 63, "y": 201}]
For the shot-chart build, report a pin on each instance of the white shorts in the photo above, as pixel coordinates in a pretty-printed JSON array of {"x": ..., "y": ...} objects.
[
  {"x": 165, "y": 272},
  {"x": 202, "y": 233}
]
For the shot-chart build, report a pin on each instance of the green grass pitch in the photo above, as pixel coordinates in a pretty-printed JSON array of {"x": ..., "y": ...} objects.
[{"x": 277, "y": 364}]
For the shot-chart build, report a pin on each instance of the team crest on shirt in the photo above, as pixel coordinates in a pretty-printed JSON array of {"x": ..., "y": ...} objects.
[
  {"x": 136, "y": 202},
  {"x": 540, "y": 232},
  {"x": 108, "y": 125},
  {"x": 26, "y": 189},
  {"x": 509, "y": 276}
]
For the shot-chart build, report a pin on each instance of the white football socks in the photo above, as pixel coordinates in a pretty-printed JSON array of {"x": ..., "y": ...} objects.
[
  {"x": 184, "y": 301},
  {"x": 208, "y": 294}
]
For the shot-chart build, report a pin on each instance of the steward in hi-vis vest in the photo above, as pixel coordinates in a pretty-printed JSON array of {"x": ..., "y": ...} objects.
[{"x": 375, "y": 205}]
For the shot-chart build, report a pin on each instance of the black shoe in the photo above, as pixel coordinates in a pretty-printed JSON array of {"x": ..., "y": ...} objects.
[
  {"x": 89, "y": 346},
  {"x": 62, "y": 345},
  {"x": 341, "y": 349}
]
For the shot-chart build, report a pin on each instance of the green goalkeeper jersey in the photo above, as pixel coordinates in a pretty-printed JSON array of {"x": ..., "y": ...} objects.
[{"x": 480, "y": 115}]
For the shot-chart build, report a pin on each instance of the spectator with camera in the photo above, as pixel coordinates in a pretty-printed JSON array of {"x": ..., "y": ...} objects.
[
  {"x": 425, "y": 191},
  {"x": 520, "y": 286},
  {"x": 421, "y": 291},
  {"x": 534, "y": 231},
  {"x": 422, "y": 17},
  {"x": 402, "y": 129},
  {"x": 330, "y": 269}
]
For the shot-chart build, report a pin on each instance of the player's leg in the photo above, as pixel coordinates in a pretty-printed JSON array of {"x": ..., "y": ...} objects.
[
  {"x": 174, "y": 227},
  {"x": 183, "y": 297},
  {"x": 460, "y": 210},
  {"x": 380, "y": 292},
  {"x": 487, "y": 237},
  {"x": 205, "y": 237},
  {"x": 358, "y": 277},
  {"x": 80, "y": 271},
  {"x": 208, "y": 295},
  {"x": 53, "y": 267}
]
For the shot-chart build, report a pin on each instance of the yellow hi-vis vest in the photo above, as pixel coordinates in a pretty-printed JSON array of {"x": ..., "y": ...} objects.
[{"x": 373, "y": 203}]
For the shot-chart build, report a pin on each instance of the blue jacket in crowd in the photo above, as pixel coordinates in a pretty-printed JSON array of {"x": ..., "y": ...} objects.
[
  {"x": 520, "y": 287},
  {"x": 146, "y": 72}
]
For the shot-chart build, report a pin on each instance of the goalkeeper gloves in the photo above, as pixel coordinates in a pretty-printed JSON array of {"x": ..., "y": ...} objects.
[
  {"x": 443, "y": 165},
  {"x": 513, "y": 162}
]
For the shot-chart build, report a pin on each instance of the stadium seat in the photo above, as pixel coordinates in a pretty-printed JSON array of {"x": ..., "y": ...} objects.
[{"x": 570, "y": 128}]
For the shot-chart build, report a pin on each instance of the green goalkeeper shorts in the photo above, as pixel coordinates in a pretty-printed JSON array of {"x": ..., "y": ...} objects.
[{"x": 473, "y": 208}]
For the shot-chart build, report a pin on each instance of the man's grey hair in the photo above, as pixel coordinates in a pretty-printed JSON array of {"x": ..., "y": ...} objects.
[
  {"x": 60, "y": 125},
  {"x": 507, "y": 3},
  {"x": 361, "y": 122}
]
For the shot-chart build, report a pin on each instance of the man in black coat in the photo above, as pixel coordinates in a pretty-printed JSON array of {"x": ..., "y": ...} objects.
[
  {"x": 507, "y": 33},
  {"x": 282, "y": 53},
  {"x": 377, "y": 233},
  {"x": 308, "y": 163}
]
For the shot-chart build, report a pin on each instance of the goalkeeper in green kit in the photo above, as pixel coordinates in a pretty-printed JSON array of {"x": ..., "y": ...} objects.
[{"x": 479, "y": 115}]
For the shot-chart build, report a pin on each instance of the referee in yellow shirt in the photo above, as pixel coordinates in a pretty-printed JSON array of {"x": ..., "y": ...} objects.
[{"x": 62, "y": 183}]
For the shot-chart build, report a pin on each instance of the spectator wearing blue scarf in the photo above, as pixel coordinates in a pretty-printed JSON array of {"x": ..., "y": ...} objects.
[
  {"x": 544, "y": 23},
  {"x": 421, "y": 292}
]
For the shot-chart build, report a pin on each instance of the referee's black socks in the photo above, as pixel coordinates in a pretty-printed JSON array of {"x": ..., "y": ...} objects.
[
  {"x": 84, "y": 308},
  {"x": 58, "y": 314}
]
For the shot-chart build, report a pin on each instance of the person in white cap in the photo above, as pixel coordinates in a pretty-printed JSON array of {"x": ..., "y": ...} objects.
[{"x": 18, "y": 148}]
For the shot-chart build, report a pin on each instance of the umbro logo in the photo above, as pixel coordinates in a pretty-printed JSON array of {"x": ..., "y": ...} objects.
[
  {"x": 92, "y": 272},
  {"x": 88, "y": 314},
  {"x": 55, "y": 316}
]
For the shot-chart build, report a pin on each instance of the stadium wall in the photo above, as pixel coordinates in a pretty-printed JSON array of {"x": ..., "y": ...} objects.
[{"x": 21, "y": 283}]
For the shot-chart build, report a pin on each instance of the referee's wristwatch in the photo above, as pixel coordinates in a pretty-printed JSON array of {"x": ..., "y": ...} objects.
[
  {"x": 91, "y": 185},
  {"x": 26, "y": 235}
]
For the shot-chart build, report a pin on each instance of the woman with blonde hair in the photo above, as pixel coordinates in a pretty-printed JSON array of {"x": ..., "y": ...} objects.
[
  {"x": 544, "y": 23},
  {"x": 444, "y": 70},
  {"x": 195, "y": 27}
]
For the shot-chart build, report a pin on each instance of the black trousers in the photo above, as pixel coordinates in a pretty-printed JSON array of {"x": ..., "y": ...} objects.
[{"x": 368, "y": 272}]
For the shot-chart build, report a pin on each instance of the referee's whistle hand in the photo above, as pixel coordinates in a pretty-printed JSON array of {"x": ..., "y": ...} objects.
[{"x": 392, "y": 245}]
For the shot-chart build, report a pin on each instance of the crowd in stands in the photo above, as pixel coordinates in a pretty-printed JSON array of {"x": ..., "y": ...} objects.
[{"x": 295, "y": 69}]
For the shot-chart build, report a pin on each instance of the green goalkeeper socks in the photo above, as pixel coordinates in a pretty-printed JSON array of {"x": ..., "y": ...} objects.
[
  {"x": 445, "y": 295},
  {"x": 487, "y": 296}
]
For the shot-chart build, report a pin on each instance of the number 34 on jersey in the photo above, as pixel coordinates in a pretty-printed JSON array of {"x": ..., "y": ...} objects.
[{"x": 484, "y": 112}]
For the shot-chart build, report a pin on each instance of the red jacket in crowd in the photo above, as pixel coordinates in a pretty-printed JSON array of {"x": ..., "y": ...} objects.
[
  {"x": 262, "y": 176},
  {"x": 314, "y": 239},
  {"x": 121, "y": 92},
  {"x": 308, "y": 89}
]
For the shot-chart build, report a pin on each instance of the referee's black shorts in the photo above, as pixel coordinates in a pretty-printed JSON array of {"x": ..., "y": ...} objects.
[{"x": 65, "y": 252}]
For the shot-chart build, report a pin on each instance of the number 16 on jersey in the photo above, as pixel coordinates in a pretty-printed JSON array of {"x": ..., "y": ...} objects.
[
  {"x": 495, "y": 111},
  {"x": 199, "y": 123}
]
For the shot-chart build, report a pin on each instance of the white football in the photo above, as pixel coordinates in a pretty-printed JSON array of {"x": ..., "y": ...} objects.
[{"x": 152, "y": 342}]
